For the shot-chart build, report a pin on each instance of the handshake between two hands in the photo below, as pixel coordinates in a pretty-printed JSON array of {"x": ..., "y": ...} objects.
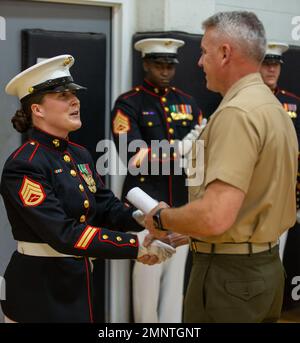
[
  {"x": 152, "y": 250},
  {"x": 154, "y": 246}
]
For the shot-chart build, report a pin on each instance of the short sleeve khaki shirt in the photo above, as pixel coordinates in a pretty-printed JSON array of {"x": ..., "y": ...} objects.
[{"x": 250, "y": 143}]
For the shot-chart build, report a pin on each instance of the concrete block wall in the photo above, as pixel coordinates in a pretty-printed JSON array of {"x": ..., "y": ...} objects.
[{"x": 160, "y": 15}]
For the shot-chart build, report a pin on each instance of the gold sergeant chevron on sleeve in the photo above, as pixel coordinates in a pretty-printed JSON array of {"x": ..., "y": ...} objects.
[
  {"x": 121, "y": 123},
  {"x": 31, "y": 192}
]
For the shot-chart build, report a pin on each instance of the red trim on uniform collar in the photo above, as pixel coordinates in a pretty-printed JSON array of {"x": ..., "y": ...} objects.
[
  {"x": 50, "y": 134},
  {"x": 150, "y": 87},
  {"x": 49, "y": 140}
]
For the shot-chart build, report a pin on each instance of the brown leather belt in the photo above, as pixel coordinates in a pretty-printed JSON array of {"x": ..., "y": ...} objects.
[{"x": 230, "y": 248}]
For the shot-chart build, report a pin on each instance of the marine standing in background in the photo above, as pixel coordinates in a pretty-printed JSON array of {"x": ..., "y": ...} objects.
[{"x": 155, "y": 110}]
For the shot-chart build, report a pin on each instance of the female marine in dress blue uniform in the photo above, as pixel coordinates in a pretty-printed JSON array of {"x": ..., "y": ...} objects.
[{"x": 56, "y": 204}]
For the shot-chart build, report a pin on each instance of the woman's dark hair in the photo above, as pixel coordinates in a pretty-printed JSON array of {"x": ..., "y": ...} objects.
[{"x": 22, "y": 120}]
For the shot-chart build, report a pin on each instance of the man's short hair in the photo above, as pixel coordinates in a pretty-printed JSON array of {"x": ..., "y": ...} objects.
[{"x": 241, "y": 27}]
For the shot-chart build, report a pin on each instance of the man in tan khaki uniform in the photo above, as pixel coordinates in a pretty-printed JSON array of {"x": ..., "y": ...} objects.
[{"x": 236, "y": 215}]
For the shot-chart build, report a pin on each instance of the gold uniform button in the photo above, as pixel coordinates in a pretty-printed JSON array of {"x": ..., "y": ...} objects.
[
  {"x": 174, "y": 154},
  {"x": 104, "y": 237},
  {"x": 137, "y": 89},
  {"x": 163, "y": 99},
  {"x": 184, "y": 123},
  {"x": 82, "y": 219},
  {"x": 171, "y": 131},
  {"x": 164, "y": 155},
  {"x": 167, "y": 109},
  {"x": 169, "y": 120},
  {"x": 86, "y": 204},
  {"x": 119, "y": 239},
  {"x": 132, "y": 241},
  {"x": 172, "y": 141},
  {"x": 67, "y": 158},
  {"x": 150, "y": 123},
  {"x": 156, "y": 90},
  {"x": 56, "y": 142},
  {"x": 81, "y": 188},
  {"x": 154, "y": 155},
  {"x": 174, "y": 88},
  {"x": 32, "y": 143},
  {"x": 142, "y": 179},
  {"x": 73, "y": 172}
]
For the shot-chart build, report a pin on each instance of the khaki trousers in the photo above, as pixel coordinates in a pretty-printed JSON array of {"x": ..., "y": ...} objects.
[{"x": 235, "y": 288}]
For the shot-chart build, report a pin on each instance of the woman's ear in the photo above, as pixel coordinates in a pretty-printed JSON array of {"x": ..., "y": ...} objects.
[{"x": 37, "y": 110}]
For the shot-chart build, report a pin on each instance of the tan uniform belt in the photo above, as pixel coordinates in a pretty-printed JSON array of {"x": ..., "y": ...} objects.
[
  {"x": 230, "y": 248},
  {"x": 39, "y": 249}
]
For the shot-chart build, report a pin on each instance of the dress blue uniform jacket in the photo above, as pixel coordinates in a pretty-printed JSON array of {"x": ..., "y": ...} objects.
[
  {"x": 291, "y": 256},
  {"x": 148, "y": 113},
  {"x": 53, "y": 194}
]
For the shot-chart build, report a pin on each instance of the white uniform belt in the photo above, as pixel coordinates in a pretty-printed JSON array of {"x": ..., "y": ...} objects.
[
  {"x": 39, "y": 249},
  {"x": 230, "y": 248}
]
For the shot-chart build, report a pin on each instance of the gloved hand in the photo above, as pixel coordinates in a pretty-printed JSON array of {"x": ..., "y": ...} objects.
[
  {"x": 139, "y": 217},
  {"x": 158, "y": 249},
  {"x": 185, "y": 145}
]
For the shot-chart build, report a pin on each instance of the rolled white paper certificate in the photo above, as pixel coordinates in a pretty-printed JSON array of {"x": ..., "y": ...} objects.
[{"x": 141, "y": 200}]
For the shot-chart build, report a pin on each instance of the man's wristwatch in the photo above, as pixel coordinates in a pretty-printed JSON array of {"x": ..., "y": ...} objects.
[{"x": 157, "y": 220}]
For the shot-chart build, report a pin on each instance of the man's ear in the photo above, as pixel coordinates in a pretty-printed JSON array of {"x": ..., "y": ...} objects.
[
  {"x": 37, "y": 110},
  {"x": 226, "y": 53}
]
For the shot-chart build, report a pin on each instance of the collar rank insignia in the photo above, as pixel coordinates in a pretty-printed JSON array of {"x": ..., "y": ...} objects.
[
  {"x": 31, "y": 192},
  {"x": 87, "y": 176},
  {"x": 121, "y": 123}
]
